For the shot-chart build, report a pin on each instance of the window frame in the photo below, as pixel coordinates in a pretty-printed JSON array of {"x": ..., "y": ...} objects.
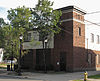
[
  {"x": 79, "y": 31},
  {"x": 92, "y": 37},
  {"x": 29, "y": 35},
  {"x": 98, "y": 59},
  {"x": 98, "y": 40}
]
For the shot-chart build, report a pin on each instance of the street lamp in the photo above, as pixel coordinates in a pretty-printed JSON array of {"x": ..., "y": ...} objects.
[
  {"x": 11, "y": 55},
  {"x": 19, "y": 61},
  {"x": 45, "y": 42}
]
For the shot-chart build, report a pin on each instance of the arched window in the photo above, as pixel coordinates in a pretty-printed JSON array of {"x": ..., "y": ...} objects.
[
  {"x": 97, "y": 39},
  {"x": 79, "y": 31},
  {"x": 92, "y": 37}
]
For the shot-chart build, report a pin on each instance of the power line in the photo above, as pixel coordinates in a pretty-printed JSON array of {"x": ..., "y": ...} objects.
[
  {"x": 93, "y": 12},
  {"x": 72, "y": 33},
  {"x": 92, "y": 22}
]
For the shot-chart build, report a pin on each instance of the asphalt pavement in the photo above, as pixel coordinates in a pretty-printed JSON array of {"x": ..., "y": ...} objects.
[{"x": 40, "y": 76}]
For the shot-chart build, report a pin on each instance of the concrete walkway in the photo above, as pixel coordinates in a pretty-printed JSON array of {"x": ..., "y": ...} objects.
[{"x": 50, "y": 76}]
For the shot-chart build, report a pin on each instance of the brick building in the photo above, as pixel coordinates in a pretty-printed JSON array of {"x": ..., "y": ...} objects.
[{"x": 69, "y": 52}]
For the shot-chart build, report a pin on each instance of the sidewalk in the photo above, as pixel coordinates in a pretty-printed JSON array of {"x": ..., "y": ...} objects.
[
  {"x": 11, "y": 75},
  {"x": 50, "y": 76}
]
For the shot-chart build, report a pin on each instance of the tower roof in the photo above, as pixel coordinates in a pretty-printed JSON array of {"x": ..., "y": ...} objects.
[{"x": 75, "y": 8}]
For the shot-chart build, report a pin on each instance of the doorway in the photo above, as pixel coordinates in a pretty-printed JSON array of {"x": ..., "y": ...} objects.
[{"x": 63, "y": 61}]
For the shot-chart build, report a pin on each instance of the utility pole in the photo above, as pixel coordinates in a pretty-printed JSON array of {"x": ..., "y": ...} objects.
[{"x": 87, "y": 49}]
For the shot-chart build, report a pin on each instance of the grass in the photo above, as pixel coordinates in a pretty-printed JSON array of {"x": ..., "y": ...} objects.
[
  {"x": 3, "y": 65},
  {"x": 94, "y": 76}
]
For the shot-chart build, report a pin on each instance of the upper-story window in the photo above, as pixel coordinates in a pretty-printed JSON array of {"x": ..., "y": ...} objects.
[
  {"x": 35, "y": 35},
  {"x": 40, "y": 37},
  {"x": 29, "y": 36},
  {"x": 79, "y": 31},
  {"x": 92, "y": 37},
  {"x": 97, "y": 39},
  {"x": 78, "y": 16}
]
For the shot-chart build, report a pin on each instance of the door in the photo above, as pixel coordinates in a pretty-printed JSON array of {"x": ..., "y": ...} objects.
[{"x": 63, "y": 61}]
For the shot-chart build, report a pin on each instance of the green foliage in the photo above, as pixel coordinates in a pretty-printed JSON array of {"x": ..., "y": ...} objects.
[
  {"x": 42, "y": 17},
  {"x": 45, "y": 19},
  {"x": 2, "y": 41},
  {"x": 10, "y": 36},
  {"x": 95, "y": 76},
  {"x": 2, "y": 22},
  {"x": 19, "y": 19}
]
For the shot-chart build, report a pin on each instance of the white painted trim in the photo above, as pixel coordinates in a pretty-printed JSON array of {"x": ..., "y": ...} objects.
[
  {"x": 73, "y": 19},
  {"x": 78, "y": 21},
  {"x": 71, "y": 10}
]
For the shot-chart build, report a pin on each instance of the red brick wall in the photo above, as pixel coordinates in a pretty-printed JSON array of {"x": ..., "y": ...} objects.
[
  {"x": 70, "y": 42},
  {"x": 79, "y": 55},
  {"x": 63, "y": 42},
  {"x": 78, "y": 16},
  {"x": 67, "y": 15},
  {"x": 79, "y": 52}
]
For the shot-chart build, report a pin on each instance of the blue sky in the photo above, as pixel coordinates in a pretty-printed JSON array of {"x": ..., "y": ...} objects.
[
  {"x": 3, "y": 13},
  {"x": 87, "y": 5}
]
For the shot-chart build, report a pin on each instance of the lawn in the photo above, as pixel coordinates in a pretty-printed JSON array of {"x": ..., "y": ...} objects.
[
  {"x": 3, "y": 65},
  {"x": 95, "y": 76}
]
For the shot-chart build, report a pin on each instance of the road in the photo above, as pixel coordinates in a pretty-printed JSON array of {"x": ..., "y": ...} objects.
[{"x": 50, "y": 76}]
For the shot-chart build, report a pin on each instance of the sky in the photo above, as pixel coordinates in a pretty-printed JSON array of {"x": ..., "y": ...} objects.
[{"x": 87, "y": 5}]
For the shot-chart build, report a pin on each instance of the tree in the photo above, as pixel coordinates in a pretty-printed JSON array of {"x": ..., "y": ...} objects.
[
  {"x": 45, "y": 20},
  {"x": 2, "y": 22},
  {"x": 19, "y": 17},
  {"x": 11, "y": 35},
  {"x": 2, "y": 39},
  {"x": 19, "y": 23}
]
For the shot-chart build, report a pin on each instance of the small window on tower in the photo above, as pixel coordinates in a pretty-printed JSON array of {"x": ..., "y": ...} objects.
[
  {"x": 79, "y": 31},
  {"x": 78, "y": 17}
]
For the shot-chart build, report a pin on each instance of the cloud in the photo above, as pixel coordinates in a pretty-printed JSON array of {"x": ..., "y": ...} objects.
[
  {"x": 5, "y": 5},
  {"x": 15, "y": 3}
]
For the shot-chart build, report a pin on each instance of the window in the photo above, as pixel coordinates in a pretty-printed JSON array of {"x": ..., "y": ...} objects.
[
  {"x": 78, "y": 16},
  {"x": 79, "y": 31},
  {"x": 97, "y": 39},
  {"x": 40, "y": 37},
  {"x": 98, "y": 58},
  {"x": 35, "y": 35},
  {"x": 29, "y": 36},
  {"x": 90, "y": 58},
  {"x": 92, "y": 37}
]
